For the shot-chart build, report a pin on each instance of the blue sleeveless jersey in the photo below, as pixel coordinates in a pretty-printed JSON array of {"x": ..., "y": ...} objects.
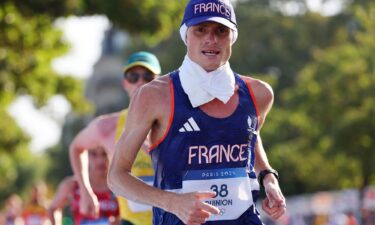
[{"x": 199, "y": 148}]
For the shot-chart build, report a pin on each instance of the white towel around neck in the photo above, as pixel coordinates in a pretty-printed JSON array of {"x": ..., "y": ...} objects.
[{"x": 202, "y": 87}]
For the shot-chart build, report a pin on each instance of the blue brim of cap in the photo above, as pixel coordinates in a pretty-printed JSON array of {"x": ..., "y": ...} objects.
[
  {"x": 201, "y": 19},
  {"x": 143, "y": 64}
]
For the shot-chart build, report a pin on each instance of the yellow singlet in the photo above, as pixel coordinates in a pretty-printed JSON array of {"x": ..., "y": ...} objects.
[{"x": 142, "y": 167}]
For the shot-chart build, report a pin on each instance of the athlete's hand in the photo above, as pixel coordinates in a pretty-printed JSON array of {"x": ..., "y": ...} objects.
[
  {"x": 191, "y": 209},
  {"x": 274, "y": 205},
  {"x": 88, "y": 204}
]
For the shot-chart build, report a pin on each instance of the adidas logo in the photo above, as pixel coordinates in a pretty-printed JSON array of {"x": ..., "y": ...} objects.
[{"x": 189, "y": 126}]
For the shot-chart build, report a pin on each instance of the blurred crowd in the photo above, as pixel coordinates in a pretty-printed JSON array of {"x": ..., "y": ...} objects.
[
  {"x": 344, "y": 207},
  {"x": 37, "y": 208},
  {"x": 31, "y": 211}
]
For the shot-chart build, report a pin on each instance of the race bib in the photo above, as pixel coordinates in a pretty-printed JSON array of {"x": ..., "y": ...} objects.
[
  {"x": 232, "y": 187},
  {"x": 139, "y": 207}
]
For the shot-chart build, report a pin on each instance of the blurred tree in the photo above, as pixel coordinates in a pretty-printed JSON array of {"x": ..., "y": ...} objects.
[
  {"x": 325, "y": 127},
  {"x": 300, "y": 141},
  {"x": 276, "y": 47},
  {"x": 280, "y": 45},
  {"x": 27, "y": 46},
  {"x": 152, "y": 20},
  {"x": 53, "y": 8},
  {"x": 59, "y": 162},
  {"x": 307, "y": 127},
  {"x": 18, "y": 165},
  {"x": 29, "y": 42},
  {"x": 268, "y": 43},
  {"x": 12, "y": 139}
]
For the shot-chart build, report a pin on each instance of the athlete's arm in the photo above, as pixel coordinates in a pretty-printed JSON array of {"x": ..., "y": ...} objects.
[
  {"x": 86, "y": 139},
  {"x": 149, "y": 110},
  {"x": 274, "y": 204},
  {"x": 60, "y": 200}
]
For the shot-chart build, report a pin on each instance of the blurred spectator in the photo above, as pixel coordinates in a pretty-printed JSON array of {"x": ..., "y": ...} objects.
[
  {"x": 338, "y": 219},
  {"x": 352, "y": 220},
  {"x": 320, "y": 220},
  {"x": 368, "y": 217},
  {"x": 68, "y": 193},
  {"x": 13, "y": 210},
  {"x": 2, "y": 218},
  {"x": 368, "y": 206},
  {"x": 35, "y": 211}
]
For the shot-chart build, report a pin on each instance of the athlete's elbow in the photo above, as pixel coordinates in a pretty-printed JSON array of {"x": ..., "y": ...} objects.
[
  {"x": 73, "y": 152},
  {"x": 113, "y": 179}
]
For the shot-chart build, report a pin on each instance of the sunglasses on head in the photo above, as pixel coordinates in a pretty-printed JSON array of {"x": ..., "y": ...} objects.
[{"x": 133, "y": 77}]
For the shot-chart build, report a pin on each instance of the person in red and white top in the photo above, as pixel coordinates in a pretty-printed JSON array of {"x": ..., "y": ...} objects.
[
  {"x": 35, "y": 211},
  {"x": 68, "y": 193}
]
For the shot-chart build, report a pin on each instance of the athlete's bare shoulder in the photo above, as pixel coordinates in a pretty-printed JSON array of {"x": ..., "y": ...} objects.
[
  {"x": 263, "y": 94},
  {"x": 68, "y": 183},
  {"x": 152, "y": 104},
  {"x": 105, "y": 124},
  {"x": 154, "y": 94},
  {"x": 258, "y": 85},
  {"x": 158, "y": 87}
]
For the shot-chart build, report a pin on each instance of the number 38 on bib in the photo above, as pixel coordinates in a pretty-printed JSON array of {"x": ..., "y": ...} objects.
[{"x": 231, "y": 186}]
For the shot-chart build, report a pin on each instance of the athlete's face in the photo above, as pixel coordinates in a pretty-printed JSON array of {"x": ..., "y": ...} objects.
[
  {"x": 98, "y": 161},
  {"x": 136, "y": 77},
  {"x": 38, "y": 192},
  {"x": 209, "y": 44}
]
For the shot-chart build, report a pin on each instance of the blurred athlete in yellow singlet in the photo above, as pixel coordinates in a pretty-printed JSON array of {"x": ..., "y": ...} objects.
[{"x": 142, "y": 67}]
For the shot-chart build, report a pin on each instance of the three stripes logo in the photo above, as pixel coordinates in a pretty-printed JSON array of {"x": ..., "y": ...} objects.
[{"x": 189, "y": 126}]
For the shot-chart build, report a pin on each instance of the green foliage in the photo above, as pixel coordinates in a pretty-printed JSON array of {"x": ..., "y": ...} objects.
[
  {"x": 321, "y": 68},
  {"x": 53, "y": 8},
  {"x": 152, "y": 20},
  {"x": 11, "y": 136},
  {"x": 13, "y": 156},
  {"x": 59, "y": 166},
  {"x": 27, "y": 48},
  {"x": 58, "y": 156},
  {"x": 28, "y": 44},
  {"x": 326, "y": 123},
  {"x": 72, "y": 89},
  {"x": 272, "y": 43},
  {"x": 322, "y": 72},
  {"x": 313, "y": 132},
  {"x": 19, "y": 168}
]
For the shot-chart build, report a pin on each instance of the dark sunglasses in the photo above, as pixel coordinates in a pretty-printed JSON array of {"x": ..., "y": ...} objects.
[{"x": 133, "y": 77}]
